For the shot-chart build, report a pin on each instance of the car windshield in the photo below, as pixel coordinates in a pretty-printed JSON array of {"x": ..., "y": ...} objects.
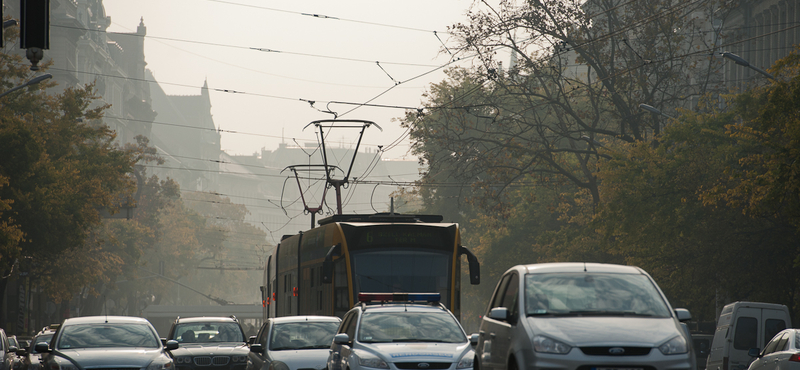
[
  {"x": 302, "y": 335},
  {"x": 593, "y": 294},
  {"x": 44, "y": 338},
  {"x": 207, "y": 332},
  {"x": 381, "y": 327},
  {"x": 107, "y": 335}
]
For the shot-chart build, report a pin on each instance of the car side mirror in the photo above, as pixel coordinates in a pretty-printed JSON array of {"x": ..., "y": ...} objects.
[
  {"x": 683, "y": 314},
  {"x": 341, "y": 338},
  {"x": 171, "y": 344},
  {"x": 256, "y": 348},
  {"x": 22, "y": 352},
  {"x": 251, "y": 340},
  {"x": 754, "y": 352},
  {"x": 42, "y": 347},
  {"x": 499, "y": 313},
  {"x": 163, "y": 341},
  {"x": 473, "y": 339}
]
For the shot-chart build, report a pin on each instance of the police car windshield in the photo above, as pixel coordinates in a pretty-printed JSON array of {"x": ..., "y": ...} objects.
[{"x": 385, "y": 327}]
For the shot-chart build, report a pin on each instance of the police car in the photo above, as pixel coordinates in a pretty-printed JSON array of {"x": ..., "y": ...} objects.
[{"x": 400, "y": 331}]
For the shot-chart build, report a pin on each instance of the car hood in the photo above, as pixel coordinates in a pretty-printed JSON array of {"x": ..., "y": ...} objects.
[
  {"x": 302, "y": 358},
  {"x": 412, "y": 352},
  {"x": 112, "y": 357},
  {"x": 197, "y": 349},
  {"x": 605, "y": 331}
]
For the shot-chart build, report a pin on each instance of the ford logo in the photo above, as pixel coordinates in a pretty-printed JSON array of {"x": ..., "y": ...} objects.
[
  {"x": 423, "y": 365},
  {"x": 616, "y": 351}
]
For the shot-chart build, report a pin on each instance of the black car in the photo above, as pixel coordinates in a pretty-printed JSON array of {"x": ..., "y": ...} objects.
[
  {"x": 106, "y": 342},
  {"x": 208, "y": 343},
  {"x": 9, "y": 352}
]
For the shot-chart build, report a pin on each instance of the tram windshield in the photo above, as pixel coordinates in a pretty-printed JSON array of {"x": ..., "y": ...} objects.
[{"x": 402, "y": 270}]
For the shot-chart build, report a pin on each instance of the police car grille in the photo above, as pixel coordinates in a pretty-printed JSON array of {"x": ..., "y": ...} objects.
[
  {"x": 606, "y": 351},
  {"x": 416, "y": 365},
  {"x": 211, "y": 361}
]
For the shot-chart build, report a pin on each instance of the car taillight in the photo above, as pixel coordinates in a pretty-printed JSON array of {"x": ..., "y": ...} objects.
[{"x": 795, "y": 357}]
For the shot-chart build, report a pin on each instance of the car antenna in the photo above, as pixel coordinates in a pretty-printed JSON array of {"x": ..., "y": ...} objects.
[
  {"x": 105, "y": 308},
  {"x": 584, "y": 266}
]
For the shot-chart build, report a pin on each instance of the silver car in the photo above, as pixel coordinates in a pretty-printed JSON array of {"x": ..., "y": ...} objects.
[
  {"x": 781, "y": 353},
  {"x": 106, "y": 342},
  {"x": 582, "y": 316},
  {"x": 292, "y": 343},
  {"x": 396, "y": 332}
]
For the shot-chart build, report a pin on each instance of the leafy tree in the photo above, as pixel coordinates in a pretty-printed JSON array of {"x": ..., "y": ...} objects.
[{"x": 58, "y": 165}]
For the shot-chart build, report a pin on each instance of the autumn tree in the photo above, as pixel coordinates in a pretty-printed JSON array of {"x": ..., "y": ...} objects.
[
  {"x": 580, "y": 71},
  {"x": 58, "y": 166}
]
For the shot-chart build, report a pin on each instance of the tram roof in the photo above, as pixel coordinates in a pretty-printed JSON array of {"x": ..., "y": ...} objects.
[{"x": 382, "y": 217}]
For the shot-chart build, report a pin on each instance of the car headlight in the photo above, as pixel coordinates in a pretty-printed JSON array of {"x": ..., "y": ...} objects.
[
  {"x": 160, "y": 364},
  {"x": 466, "y": 361},
  {"x": 549, "y": 345},
  {"x": 369, "y": 360},
  {"x": 183, "y": 360},
  {"x": 237, "y": 359},
  {"x": 674, "y": 346}
]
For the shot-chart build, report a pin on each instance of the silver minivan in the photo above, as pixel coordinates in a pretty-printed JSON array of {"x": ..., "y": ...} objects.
[{"x": 582, "y": 316}]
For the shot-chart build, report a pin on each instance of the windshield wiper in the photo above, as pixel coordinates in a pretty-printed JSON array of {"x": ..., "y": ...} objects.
[{"x": 607, "y": 313}]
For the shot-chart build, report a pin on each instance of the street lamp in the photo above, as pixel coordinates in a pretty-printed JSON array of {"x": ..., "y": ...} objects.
[
  {"x": 32, "y": 81},
  {"x": 655, "y": 110},
  {"x": 740, "y": 61}
]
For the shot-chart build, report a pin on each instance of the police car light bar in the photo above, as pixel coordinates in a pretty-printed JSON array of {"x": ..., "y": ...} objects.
[{"x": 399, "y": 297}]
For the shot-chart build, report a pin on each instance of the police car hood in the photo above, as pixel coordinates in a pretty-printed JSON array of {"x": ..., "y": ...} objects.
[
  {"x": 302, "y": 358},
  {"x": 605, "y": 331},
  {"x": 419, "y": 352},
  {"x": 217, "y": 349},
  {"x": 112, "y": 357}
]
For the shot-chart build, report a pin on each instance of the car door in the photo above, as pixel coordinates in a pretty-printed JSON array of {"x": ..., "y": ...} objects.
[
  {"x": 495, "y": 333},
  {"x": 339, "y": 353},
  {"x": 258, "y": 361}
]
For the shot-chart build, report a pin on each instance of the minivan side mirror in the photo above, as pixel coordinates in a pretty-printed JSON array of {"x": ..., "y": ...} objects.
[
  {"x": 499, "y": 313},
  {"x": 341, "y": 338},
  {"x": 754, "y": 352},
  {"x": 683, "y": 314}
]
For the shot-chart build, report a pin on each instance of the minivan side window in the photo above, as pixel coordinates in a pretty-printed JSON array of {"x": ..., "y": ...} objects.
[
  {"x": 772, "y": 327},
  {"x": 746, "y": 335},
  {"x": 510, "y": 296},
  {"x": 497, "y": 300}
]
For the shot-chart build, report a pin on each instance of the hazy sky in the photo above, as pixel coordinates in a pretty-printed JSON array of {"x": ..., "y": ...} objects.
[{"x": 301, "y": 57}]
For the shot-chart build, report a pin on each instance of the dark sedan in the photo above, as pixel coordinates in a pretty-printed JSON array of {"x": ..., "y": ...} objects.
[
  {"x": 118, "y": 342},
  {"x": 208, "y": 343}
]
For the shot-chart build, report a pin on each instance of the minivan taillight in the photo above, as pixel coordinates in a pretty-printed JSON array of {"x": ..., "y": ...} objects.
[{"x": 795, "y": 357}]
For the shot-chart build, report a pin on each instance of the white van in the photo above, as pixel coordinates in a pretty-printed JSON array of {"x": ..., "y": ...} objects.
[{"x": 741, "y": 326}]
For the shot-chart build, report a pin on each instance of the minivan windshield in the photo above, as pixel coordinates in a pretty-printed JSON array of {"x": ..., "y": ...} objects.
[{"x": 585, "y": 293}]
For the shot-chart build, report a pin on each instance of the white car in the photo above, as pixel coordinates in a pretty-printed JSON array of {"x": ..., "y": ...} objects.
[
  {"x": 292, "y": 343},
  {"x": 393, "y": 331},
  {"x": 781, "y": 353},
  {"x": 582, "y": 316}
]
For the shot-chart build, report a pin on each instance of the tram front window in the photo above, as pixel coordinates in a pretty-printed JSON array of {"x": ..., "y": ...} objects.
[{"x": 402, "y": 271}]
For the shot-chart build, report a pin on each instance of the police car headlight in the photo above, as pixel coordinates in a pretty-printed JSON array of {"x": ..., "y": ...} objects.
[
  {"x": 369, "y": 360},
  {"x": 549, "y": 345},
  {"x": 160, "y": 364},
  {"x": 674, "y": 346},
  {"x": 467, "y": 361}
]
